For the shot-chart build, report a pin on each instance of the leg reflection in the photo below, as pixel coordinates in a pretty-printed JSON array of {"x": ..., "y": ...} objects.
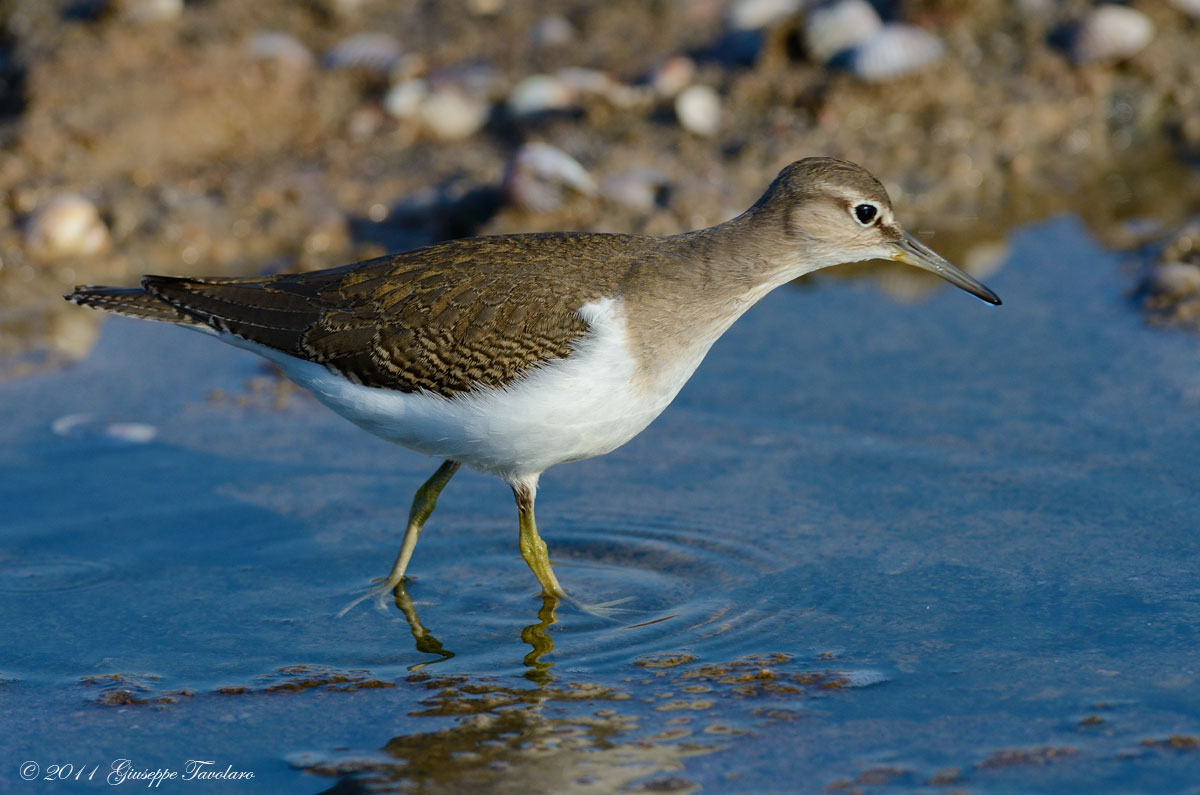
[
  {"x": 538, "y": 637},
  {"x": 426, "y": 643}
]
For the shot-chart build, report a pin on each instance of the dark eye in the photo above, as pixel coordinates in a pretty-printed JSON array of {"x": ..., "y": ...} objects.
[{"x": 865, "y": 213}]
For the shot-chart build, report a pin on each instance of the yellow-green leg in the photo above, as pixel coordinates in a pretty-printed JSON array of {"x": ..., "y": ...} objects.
[
  {"x": 424, "y": 501},
  {"x": 533, "y": 548},
  {"x": 423, "y": 504}
]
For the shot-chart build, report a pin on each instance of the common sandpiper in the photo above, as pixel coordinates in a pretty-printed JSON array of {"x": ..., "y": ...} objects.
[{"x": 513, "y": 353}]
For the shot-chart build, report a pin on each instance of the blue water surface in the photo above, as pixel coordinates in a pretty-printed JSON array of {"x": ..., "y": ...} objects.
[{"x": 874, "y": 545}]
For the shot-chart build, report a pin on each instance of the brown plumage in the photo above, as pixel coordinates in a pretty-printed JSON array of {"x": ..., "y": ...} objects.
[{"x": 444, "y": 319}]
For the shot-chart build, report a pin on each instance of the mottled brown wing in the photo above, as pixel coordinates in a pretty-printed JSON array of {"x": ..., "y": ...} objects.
[{"x": 443, "y": 319}]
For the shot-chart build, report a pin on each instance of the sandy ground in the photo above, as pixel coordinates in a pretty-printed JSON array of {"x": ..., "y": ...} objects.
[{"x": 206, "y": 144}]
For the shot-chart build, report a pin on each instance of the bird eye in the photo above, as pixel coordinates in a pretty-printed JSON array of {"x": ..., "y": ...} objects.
[{"x": 866, "y": 213}]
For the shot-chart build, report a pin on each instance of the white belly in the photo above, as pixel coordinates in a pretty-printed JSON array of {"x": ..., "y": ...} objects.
[{"x": 566, "y": 410}]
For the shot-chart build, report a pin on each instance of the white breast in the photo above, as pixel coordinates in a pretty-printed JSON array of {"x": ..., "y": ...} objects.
[{"x": 566, "y": 410}]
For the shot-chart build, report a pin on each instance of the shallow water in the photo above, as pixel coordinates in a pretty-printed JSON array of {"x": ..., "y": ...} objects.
[{"x": 878, "y": 545}]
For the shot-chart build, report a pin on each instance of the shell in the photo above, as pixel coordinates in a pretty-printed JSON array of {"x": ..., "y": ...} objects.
[
  {"x": 539, "y": 174},
  {"x": 698, "y": 109},
  {"x": 893, "y": 52},
  {"x": 282, "y": 48},
  {"x": 835, "y": 27},
  {"x": 370, "y": 52},
  {"x": 540, "y": 94},
  {"x": 1110, "y": 33},
  {"x": 755, "y": 14},
  {"x": 68, "y": 226}
]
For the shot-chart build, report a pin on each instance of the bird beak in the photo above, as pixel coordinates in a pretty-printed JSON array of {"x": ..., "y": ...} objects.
[{"x": 911, "y": 251}]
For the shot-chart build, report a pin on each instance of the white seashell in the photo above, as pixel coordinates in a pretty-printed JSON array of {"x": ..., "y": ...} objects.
[
  {"x": 893, "y": 52},
  {"x": 404, "y": 99},
  {"x": 452, "y": 116},
  {"x": 373, "y": 52},
  {"x": 755, "y": 14},
  {"x": 672, "y": 75},
  {"x": 698, "y": 109},
  {"x": 282, "y": 48},
  {"x": 835, "y": 27},
  {"x": 1109, "y": 33},
  {"x": 68, "y": 226},
  {"x": 540, "y": 94},
  {"x": 538, "y": 175},
  {"x": 553, "y": 31}
]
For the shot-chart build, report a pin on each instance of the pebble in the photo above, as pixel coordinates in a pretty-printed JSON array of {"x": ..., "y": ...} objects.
[
  {"x": 894, "y": 52},
  {"x": 539, "y": 94},
  {"x": 452, "y": 115},
  {"x": 698, "y": 109},
  {"x": 67, "y": 226},
  {"x": 538, "y": 176},
  {"x": 404, "y": 99},
  {"x": 755, "y": 14},
  {"x": 1175, "y": 279},
  {"x": 835, "y": 27},
  {"x": 370, "y": 52},
  {"x": 281, "y": 48},
  {"x": 672, "y": 75},
  {"x": 149, "y": 11},
  {"x": 553, "y": 31},
  {"x": 1110, "y": 33},
  {"x": 1189, "y": 7},
  {"x": 639, "y": 189}
]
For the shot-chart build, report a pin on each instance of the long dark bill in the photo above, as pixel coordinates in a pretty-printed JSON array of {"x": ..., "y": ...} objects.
[{"x": 913, "y": 252}]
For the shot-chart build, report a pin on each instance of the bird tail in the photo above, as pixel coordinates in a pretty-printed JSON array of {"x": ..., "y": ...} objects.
[{"x": 131, "y": 301}]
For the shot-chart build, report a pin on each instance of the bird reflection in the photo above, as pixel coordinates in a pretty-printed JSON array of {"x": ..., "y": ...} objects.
[{"x": 537, "y": 635}]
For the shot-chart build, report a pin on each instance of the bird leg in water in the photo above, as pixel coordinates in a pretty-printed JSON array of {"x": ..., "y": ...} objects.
[{"x": 533, "y": 548}]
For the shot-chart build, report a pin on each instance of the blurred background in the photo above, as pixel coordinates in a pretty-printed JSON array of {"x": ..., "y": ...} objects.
[{"x": 226, "y": 137}]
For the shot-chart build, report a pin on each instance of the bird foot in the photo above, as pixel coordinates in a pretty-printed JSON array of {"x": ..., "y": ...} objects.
[
  {"x": 609, "y": 611},
  {"x": 383, "y": 593}
]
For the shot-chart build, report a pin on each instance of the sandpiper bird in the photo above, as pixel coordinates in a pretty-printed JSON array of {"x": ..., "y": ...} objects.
[{"x": 513, "y": 353}]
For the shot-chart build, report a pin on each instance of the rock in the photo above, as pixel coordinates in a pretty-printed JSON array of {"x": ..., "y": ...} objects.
[
  {"x": 698, "y": 109},
  {"x": 68, "y": 226},
  {"x": 1110, "y": 33}
]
